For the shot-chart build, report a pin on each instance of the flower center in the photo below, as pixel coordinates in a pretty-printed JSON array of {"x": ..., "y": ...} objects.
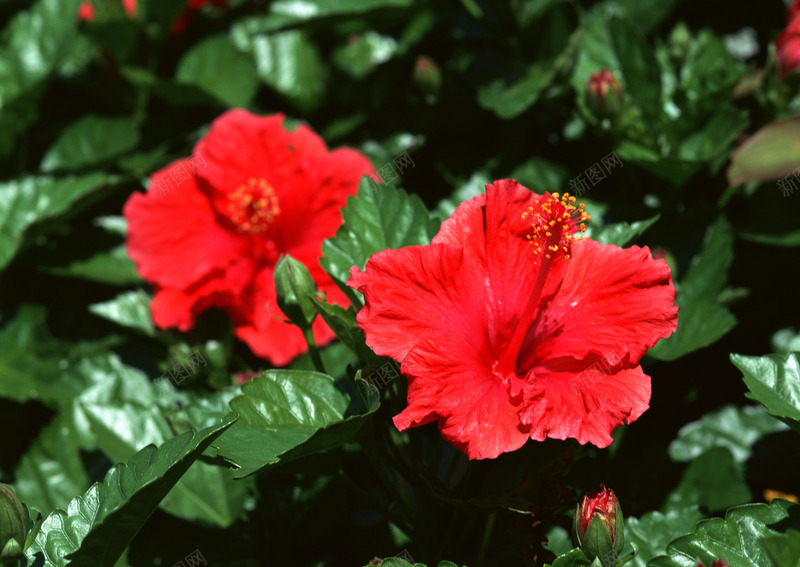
[
  {"x": 253, "y": 206},
  {"x": 554, "y": 222}
]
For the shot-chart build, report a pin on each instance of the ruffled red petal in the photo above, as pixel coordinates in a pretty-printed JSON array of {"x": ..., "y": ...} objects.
[
  {"x": 561, "y": 402},
  {"x": 448, "y": 382},
  {"x": 418, "y": 292},
  {"x": 612, "y": 301},
  {"x": 174, "y": 237}
]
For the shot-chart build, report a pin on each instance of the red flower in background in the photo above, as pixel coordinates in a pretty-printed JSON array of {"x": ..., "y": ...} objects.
[
  {"x": 787, "y": 47},
  {"x": 500, "y": 340},
  {"x": 209, "y": 235},
  {"x": 86, "y": 11}
]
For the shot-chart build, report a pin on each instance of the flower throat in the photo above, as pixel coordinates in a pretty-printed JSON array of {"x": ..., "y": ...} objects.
[{"x": 554, "y": 221}]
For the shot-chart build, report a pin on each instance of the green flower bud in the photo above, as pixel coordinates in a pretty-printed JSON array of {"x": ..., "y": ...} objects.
[
  {"x": 598, "y": 527},
  {"x": 14, "y": 523},
  {"x": 428, "y": 78},
  {"x": 295, "y": 288}
]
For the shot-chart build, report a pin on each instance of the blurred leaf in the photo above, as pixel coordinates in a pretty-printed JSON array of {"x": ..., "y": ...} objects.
[
  {"x": 508, "y": 97},
  {"x": 379, "y": 217},
  {"x": 33, "y": 45},
  {"x": 736, "y": 429},
  {"x": 284, "y": 415},
  {"x": 771, "y": 153},
  {"x": 173, "y": 93},
  {"x": 647, "y": 14},
  {"x": 740, "y": 539},
  {"x": 714, "y": 480},
  {"x": 653, "y": 531},
  {"x": 91, "y": 140},
  {"x": 98, "y": 526},
  {"x": 286, "y": 13},
  {"x": 288, "y": 62},
  {"x": 26, "y": 201},
  {"x": 363, "y": 52},
  {"x": 130, "y": 309},
  {"x": 540, "y": 175},
  {"x": 474, "y": 186},
  {"x": 638, "y": 65},
  {"x": 35, "y": 366},
  {"x": 217, "y": 67},
  {"x": 786, "y": 341},
  {"x": 702, "y": 320},
  {"x": 114, "y": 268},
  {"x": 773, "y": 380}
]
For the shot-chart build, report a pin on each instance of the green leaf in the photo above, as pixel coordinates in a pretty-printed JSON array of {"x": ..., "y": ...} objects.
[
  {"x": 363, "y": 53},
  {"x": 713, "y": 480},
  {"x": 26, "y": 201},
  {"x": 89, "y": 141},
  {"x": 98, "y": 526},
  {"x": 784, "y": 549},
  {"x": 130, "y": 309},
  {"x": 285, "y": 13},
  {"x": 35, "y": 366},
  {"x": 785, "y": 341},
  {"x": 35, "y": 42},
  {"x": 739, "y": 539},
  {"x": 51, "y": 472},
  {"x": 283, "y": 415},
  {"x": 517, "y": 83},
  {"x": 574, "y": 558},
  {"x": 474, "y": 186},
  {"x": 647, "y": 14},
  {"x": 737, "y": 429},
  {"x": 374, "y": 220},
  {"x": 288, "y": 62},
  {"x": 638, "y": 65},
  {"x": 702, "y": 319},
  {"x": 773, "y": 380},
  {"x": 771, "y": 153},
  {"x": 653, "y": 531},
  {"x": 113, "y": 268},
  {"x": 217, "y": 67},
  {"x": 343, "y": 323},
  {"x": 619, "y": 233}
]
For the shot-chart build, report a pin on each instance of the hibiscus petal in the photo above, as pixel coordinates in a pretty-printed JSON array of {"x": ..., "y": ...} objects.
[
  {"x": 448, "y": 381},
  {"x": 259, "y": 322},
  {"x": 562, "y": 404},
  {"x": 173, "y": 235},
  {"x": 172, "y": 307},
  {"x": 613, "y": 301},
  {"x": 418, "y": 292}
]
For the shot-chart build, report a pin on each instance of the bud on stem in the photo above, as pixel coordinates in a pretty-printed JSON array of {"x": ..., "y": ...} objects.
[{"x": 598, "y": 527}]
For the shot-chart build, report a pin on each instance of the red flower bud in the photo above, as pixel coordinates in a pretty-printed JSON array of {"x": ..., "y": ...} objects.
[
  {"x": 715, "y": 563},
  {"x": 598, "y": 526},
  {"x": 605, "y": 93}
]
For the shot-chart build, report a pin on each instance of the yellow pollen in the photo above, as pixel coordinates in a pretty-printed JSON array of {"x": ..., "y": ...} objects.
[
  {"x": 253, "y": 206},
  {"x": 554, "y": 221}
]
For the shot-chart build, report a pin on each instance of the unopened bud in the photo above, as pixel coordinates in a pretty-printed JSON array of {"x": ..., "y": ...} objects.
[
  {"x": 598, "y": 527},
  {"x": 604, "y": 96},
  {"x": 295, "y": 288}
]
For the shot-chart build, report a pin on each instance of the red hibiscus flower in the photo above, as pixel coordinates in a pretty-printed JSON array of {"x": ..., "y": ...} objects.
[
  {"x": 209, "y": 230},
  {"x": 501, "y": 340},
  {"x": 787, "y": 48}
]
